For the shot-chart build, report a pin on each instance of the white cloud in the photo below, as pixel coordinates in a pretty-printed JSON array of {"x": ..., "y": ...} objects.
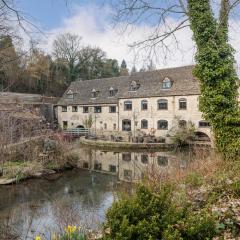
[{"x": 93, "y": 24}]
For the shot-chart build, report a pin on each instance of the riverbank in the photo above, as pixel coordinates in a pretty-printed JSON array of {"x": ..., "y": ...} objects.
[{"x": 18, "y": 171}]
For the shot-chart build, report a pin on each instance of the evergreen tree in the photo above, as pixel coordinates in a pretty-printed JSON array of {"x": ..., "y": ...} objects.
[
  {"x": 124, "y": 69},
  {"x": 134, "y": 70}
]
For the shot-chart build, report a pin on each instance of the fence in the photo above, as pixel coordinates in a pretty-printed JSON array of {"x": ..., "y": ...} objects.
[{"x": 77, "y": 132}]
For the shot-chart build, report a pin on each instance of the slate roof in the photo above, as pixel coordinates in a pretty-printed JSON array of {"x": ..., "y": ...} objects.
[{"x": 183, "y": 83}]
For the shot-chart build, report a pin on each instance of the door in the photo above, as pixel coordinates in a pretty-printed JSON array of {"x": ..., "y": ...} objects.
[{"x": 126, "y": 125}]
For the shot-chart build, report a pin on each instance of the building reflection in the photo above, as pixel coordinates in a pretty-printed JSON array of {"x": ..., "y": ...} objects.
[{"x": 130, "y": 166}]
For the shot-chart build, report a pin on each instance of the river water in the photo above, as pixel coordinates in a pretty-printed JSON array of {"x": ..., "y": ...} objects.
[{"x": 80, "y": 196}]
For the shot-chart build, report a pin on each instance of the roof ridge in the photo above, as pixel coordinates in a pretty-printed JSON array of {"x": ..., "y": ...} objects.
[{"x": 137, "y": 73}]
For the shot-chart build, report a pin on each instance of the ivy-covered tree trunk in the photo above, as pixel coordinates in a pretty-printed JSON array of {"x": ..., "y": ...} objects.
[{"x": 217, "y": 75}]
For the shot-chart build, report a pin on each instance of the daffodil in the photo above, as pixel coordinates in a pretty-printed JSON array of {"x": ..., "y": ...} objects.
[
  {"x": 38, "y": 238},
  {"x": 70, "y": 229}
]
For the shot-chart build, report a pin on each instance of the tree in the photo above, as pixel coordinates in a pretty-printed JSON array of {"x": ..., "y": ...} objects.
[
  {"x": 91, "y": 63},
  {"x": 151, "y": 66},
  {"x": 134, "y": 70},
  {"x": 123, "y": 69},
  {"x": 39, "y": 70},
  {"x": 66, "y": 48},
  {"x": 9, "y": 63},
  {"x": 214, "y": 58},
  {"x": 110, "y": 68}
]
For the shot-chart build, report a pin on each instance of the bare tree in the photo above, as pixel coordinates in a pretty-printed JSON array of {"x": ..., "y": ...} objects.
[
  {"x": 160, "y": 15},
  {"x": 66, "y": 48}
]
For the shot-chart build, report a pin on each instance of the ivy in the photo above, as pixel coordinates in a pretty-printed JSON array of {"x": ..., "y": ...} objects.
[{"x": 217, "y": 75}]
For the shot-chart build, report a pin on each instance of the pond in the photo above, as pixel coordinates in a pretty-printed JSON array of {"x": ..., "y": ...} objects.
[{"x": 80, "y": 196}]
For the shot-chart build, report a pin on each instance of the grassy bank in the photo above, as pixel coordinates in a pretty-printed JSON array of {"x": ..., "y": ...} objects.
[
  {"x": 21, "y": 164},
  {"x": 200, "y": 203}
]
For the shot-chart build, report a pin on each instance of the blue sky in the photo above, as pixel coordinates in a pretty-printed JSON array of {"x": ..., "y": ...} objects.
[
  {"x": 92, "y": 20},
  {"x": 50, "y": 13}
]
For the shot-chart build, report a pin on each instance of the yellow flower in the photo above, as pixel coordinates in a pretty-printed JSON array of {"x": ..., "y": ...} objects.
[
  {"x": 70, "y": 229},
  {"x": 38, "y": 238}
]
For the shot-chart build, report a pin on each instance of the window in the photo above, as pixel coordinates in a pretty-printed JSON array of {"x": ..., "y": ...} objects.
[
  {"x": 182, "y": 103},
  {"x": 162, "y": 125},
  {"x": 166, "y": 83},
  {"x": 144, "y": 158},
  {"x": 182, "y": 123},
  {"x": 74, "y": 108},
  {"x": 112, "y": 168},
  {"x": 128, "y": 105},
  {"x": 85, "y": 165},
  {"x": 98, "y": 166},
  {"x": 112, "y": 109},
  {"x": 65, "y": 125},
  {"x": 98, "y": 109},
  {"x": 204, "y": 124},
  {"x": 70, "y": 96},
  {"x": 126, "y": 157},
  {"x": 127, "y": 174},
  {"x": 114, "y": 126},
  {"x": 134, "y": 86},
  {"x": 144, "y": 124},
  {"x": 64, "y": 108},
  {"x": 94, "y": 93},
  {"x": 85, "y": 109},
  {"x": 112, "y": 92},
  {"x": 162, "y": 161},
  {"x": 162, "y": 104},
  {"x": 144, "y": 105},
  {"x": 105, "y": 126}
]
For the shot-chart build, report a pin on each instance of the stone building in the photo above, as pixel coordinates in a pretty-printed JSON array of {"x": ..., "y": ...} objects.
[{"x": 152, "y": 102}]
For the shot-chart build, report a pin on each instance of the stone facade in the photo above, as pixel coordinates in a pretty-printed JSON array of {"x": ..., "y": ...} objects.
[{"x": 151, "y": 102}]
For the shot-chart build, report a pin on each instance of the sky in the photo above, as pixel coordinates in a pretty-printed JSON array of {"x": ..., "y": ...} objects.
[{"x": 93, "y": 21}]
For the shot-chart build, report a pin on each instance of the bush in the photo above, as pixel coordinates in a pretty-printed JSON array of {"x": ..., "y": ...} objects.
[
  {"x": 157, "y": 215},
  {"x": 194, "y": 179}
]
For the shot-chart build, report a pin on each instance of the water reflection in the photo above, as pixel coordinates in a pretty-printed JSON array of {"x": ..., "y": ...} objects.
[
  {"x": 39, "y": 205},
  {"x": 131, "y": 166},
  {"x": 80, "y": 196}
]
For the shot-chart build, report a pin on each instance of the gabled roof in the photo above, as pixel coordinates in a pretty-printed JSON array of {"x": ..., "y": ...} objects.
[{"x": 184, "y": 83}]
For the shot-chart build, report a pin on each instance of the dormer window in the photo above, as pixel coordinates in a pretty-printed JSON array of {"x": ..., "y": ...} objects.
[
  {"x": 112, "y": 92},
  {"x": 94, "y": 93},
  {"x": 166, "y": 84},
  {"x": 70, "y": 95},
  {"x": 134, "y": 86}
]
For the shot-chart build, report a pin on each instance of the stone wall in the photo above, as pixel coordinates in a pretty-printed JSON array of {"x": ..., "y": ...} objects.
[{"x": 109, "y": 123}]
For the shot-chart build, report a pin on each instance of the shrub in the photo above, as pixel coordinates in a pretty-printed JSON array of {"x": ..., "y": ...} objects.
[
  {"x": 194, "y": 179},
  {"x": 156, "y": 215}
]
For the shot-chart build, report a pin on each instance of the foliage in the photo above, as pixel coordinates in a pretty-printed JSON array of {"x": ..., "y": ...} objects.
[
  {"x": 194, "y": 179},
  {"x": 218, "y": 78},
  {"x": 38, "y": 72},
  {"x": 9, "y": 63},
  {"x": 88, "y": 121},
  {"x": 182, "y": 132},
  {"x": 124, "y": 69},
  {"x": 66, "y": 48},
  {"x": 156, "y": 214}
]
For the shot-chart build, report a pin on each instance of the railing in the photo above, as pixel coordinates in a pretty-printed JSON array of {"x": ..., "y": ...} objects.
[{"x": 77, "y": 131}]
